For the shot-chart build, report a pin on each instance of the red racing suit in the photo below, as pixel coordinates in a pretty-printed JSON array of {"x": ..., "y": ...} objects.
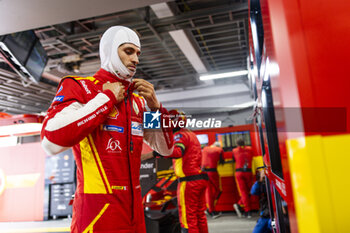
[
  {"x": 107, "y": 141},
  {"x": 192, "y": 182},
  {"x": 212, "y": 155},
  {"x": 243, "y": 157}
]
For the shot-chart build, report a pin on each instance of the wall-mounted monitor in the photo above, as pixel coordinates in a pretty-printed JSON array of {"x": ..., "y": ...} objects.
[
  {"x": 24, "y": 53},
  {"x": 203, "y": 139},
  {"x": 228, "y": 140}
]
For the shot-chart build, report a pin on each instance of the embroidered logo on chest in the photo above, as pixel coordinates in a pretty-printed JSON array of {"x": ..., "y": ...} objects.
[
  {"x": 114, "y": 128},
  {"x": 113, "y": 146},
  {"x": 114, "y": 113},
  {"x": 136, "y": 129}
]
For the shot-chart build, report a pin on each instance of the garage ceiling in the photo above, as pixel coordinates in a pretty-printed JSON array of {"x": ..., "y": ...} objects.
[{"x": 217, "y": 31}]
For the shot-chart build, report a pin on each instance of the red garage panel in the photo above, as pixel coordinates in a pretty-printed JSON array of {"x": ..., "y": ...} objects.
[{"x": 22, "y": 195}]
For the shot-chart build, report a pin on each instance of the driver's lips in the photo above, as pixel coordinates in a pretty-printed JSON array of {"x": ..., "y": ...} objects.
[{"x": 132, "y": 68}]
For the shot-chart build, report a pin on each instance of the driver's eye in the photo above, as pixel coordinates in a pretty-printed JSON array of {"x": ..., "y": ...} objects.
[{"x": 128, "y": 51}]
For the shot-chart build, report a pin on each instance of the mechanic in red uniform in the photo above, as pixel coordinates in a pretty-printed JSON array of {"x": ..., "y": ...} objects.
[
  {"x": 212, "y": 156},
  {"x": 101, "y": 118},
  {"x": 243, "y": 156},
  {"x": 192, "y": 181}
]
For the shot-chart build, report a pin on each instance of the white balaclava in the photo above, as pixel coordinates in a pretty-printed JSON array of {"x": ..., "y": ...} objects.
[{"x": 109, "y": 44}]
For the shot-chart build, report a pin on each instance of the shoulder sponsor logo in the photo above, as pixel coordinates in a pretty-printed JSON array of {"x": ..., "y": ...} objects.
[
  {"x": 177, "y": 137},
  {"x": 58, "y": 98},
  {"x": 85, "y": 87},
  {"x": 113, "y": 145},
  {"x": 136, "y": 129},
  {"x": 59, "y": 90},
  {"x": 114, "y": 113},
  {"x": 114, "y": 128}
]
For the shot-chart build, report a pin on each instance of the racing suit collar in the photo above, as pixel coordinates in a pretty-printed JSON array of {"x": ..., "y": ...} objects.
[{"x": 104, "y": 76}]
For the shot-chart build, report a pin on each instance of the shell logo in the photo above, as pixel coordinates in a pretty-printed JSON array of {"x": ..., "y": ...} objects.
[{"x": 114, "y": 113}]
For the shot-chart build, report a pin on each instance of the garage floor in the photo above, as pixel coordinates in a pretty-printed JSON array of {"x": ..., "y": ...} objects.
[
  {"x": 230, "y": 223},
  {"x": 227, "y": 223}
]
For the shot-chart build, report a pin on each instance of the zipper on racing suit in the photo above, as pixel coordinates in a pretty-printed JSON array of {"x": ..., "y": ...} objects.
[{"x": 130, "y": 143}]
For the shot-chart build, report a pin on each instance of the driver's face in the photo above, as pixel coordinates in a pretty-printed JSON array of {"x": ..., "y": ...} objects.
[{"x": 129, "y": 55}]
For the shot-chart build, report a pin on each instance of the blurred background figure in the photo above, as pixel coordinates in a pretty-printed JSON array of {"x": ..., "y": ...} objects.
[
  {"x": 187, "y": 158},
  {"x": 211, "y": 157},
  {"x": 263, "y": 224},
  {"x": 243, "y": 156}
]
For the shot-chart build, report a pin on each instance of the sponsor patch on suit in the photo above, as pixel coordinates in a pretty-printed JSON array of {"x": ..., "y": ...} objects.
[
  {"x": 114, "y": 113},
  {"x": 177, "y": 137},
  {"x": 114, "y": 128},
  {"x": 58, "y": 98},
  {"x": 136, "y": 128}
]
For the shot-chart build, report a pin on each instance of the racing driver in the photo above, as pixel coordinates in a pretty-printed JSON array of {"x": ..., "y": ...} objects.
[{"x": 101, "y": 119}]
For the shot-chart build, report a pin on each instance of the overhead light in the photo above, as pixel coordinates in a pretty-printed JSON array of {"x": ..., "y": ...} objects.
[
  {"x": 186, "y": 47},
  {"x": 223, "y": 75},
  {"x": 162, "y": 10}
]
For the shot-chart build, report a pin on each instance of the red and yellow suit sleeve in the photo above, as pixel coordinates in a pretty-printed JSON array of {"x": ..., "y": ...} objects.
[
  {"x": 178, "y": 153},
  {"x": 179, "y": 146},
  {"x": 73, "y": 114}
]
